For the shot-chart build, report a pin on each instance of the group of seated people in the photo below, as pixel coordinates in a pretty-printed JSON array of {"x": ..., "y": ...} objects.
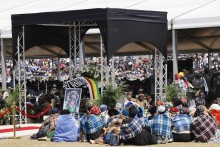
[{"x": 130, "y": 125}]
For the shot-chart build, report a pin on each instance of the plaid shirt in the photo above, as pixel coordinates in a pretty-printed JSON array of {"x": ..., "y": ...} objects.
[
  {"x": 130, "y": 130},
  {"x": 182, "y": 122},
  {"x": 92, "y": 124},
  {"x": 203, "y": 128},
  {"x": 161, "y": 126}
]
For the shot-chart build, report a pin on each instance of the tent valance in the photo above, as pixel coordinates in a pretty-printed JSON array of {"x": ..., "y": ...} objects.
[{"x": 117, "y": 26}]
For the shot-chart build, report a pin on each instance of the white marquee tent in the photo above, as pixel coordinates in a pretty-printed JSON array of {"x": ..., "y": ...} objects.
[
  {"x": 193, "y": 24},
  {"x": 181, "y": 14}
]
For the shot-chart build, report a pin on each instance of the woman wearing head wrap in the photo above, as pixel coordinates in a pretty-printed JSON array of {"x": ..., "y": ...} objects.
[
  {"x": 214, "y": 110},
  {"x": 180, "y": 83},
  {"x": 91, "y": 124},
  {"x": 104, "y": 113}
]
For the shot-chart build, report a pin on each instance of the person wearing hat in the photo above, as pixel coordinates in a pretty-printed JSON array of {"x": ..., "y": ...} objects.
[
  {"x": 173, "y": 111},
  {"x": 118, "y": 107},
  {"x": 180, "y": 83},
  {"x": 214, "y": 110},
  {"x": 67, "y": 128},
  {"x": 48, "y": 125},
  {"x": 182, "y": 125},
  {"x": 91, "y": 124},
  {"x": 104, "y": 113},
  {"x": 161, "y": 126}
]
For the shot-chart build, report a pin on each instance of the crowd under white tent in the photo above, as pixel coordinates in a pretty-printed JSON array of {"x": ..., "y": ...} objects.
[{"x": 200, "y": 15}]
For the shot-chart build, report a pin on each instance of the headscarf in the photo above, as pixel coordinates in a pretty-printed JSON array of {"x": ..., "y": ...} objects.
[
  {"x": 95, "y": 110},
  {"x": 161, "y": 109},
  {"x": 54, "y": 110},
  {"x": 215, "y": 107},
  {"x": 125, "y": 112},
  {"x": 118, "y": 106},
  {"x": 200, "y": 110},
  {"x": 181, "y": 74},
  {"x": 174, "y": 110},
  {"x": 103, "y": 107}
]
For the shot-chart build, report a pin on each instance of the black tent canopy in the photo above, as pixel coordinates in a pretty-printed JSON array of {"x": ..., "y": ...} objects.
[{"x": 117, "y": 27}]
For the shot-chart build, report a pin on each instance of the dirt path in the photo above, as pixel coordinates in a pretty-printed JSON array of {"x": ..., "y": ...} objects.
[{"x": 26, "y": 142}]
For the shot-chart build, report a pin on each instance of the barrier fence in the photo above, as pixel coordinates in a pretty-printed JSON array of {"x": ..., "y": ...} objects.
[{"x": 14, "y": 107}]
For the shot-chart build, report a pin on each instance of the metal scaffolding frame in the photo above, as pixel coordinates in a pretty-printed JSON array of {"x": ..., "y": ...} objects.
[
  {"x": 20, "y": 73},
  {"x": 74, "y": 47},
  {"x": 160, "y": 67},
  {"x": 104, "y": 67},
  {"x": 112, "y": 72},
  {"x": 107, "y": 72}
]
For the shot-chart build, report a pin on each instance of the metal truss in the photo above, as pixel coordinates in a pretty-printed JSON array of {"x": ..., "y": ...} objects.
[
  {"x": 112, "y": 72},
  {"x": 160, "y": 76},
  {"x": 74, "y": 45},
  {"x": 20, "y": 73},
  {"x": 104, "y": 67}
]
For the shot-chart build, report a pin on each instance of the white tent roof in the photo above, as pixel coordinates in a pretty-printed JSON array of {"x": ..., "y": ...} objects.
[
  {"x": 205, "y": 16},
  {"x": 185, "y": 13}
]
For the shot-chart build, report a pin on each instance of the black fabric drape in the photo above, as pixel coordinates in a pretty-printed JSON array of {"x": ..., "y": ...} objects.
[{"x": 117, "y": 26}]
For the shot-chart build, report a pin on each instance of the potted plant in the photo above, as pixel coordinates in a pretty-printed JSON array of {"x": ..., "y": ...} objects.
[
  {"x": 173, "y": 91},
  {"x": 111, "y": 96},
  {"x": 13, "y": 96}
]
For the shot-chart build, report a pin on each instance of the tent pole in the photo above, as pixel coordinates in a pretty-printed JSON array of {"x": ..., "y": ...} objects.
[
  {"x": 58, "y": 70},
  {"x": 3, "y": 56},
  {"x": 209, "y": 61},
  {"x": 174, "y": 52},
  {"x": 81, "y": 53}
]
